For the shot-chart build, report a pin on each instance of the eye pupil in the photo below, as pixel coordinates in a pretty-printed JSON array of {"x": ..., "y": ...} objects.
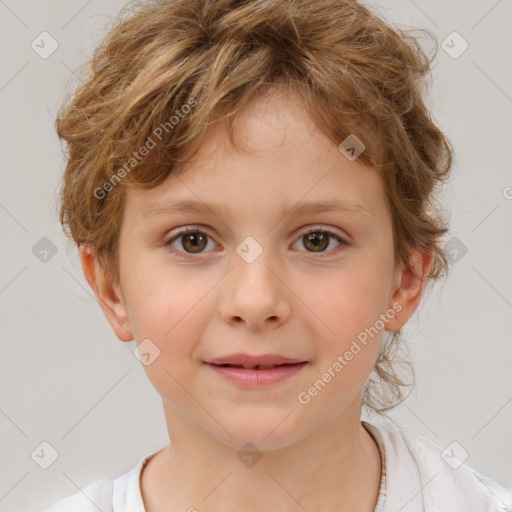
[
  {"x": 195, "y": 239},
  {"x": 318, "y": 240},
  {"x": 195, "y": 242}
]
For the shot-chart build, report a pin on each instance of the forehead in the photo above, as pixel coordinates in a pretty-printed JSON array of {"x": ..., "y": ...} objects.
[{"x": 285, "y": 162}]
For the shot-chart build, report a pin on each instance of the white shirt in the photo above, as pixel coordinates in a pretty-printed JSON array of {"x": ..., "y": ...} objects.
[{"x": 415, "y": 478}]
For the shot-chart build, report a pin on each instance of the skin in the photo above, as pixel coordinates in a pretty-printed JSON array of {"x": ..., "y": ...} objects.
[{"x": 292, "y": 300}]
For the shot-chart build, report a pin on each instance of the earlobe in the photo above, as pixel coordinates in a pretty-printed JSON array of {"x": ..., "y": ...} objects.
[
  {"x": 109, "y": 297},
  {"x": 409, "y": 287}
]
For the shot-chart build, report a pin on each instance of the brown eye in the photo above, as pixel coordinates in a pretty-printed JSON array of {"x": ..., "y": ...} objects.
[
  {"x": 188, "y": 242},
  {"x": 194, "y": 242},
  {"x": 316, "y": 241}
]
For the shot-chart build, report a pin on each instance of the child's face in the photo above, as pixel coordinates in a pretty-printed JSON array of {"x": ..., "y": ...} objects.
[{"x": 301, "y": 298}]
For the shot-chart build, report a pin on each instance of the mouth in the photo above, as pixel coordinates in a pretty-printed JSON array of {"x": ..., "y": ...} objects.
[
  {"x": 251, "y": 374},
  {"x": 254, "y": 367},
  {"x": 261, "y": 362}
]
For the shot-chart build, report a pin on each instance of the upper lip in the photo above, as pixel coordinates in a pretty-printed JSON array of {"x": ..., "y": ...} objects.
[{"x": 248, "y": 360}]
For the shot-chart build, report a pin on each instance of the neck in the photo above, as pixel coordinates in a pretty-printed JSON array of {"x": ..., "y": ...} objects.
[{"x": 336, "y": 468}]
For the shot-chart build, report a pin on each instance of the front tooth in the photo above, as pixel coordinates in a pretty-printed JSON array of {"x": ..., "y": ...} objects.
[{"x": 257, "y": 366}]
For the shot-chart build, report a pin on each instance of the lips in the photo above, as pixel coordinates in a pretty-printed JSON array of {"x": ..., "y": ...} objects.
[
  {"x": 255, "y": 372},
  {"x": 261, "y": 362},
  {"x": 252, "y": 367}
]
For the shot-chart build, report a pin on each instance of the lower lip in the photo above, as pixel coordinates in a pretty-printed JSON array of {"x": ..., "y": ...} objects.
[{"x": 252, "y": 378}]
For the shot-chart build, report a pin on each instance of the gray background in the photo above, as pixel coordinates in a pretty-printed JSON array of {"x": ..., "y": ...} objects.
[{"x": 67, "y": 380}]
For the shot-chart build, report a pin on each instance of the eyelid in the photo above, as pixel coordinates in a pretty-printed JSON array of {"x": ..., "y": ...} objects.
[
  {"x": 343, "y": 240},
  {"x": 184, "y": 231},
  {"x": 188, "y": 229}
]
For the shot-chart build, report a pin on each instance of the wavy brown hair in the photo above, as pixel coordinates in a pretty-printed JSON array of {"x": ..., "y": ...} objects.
[{"x": 355, "y": 73}]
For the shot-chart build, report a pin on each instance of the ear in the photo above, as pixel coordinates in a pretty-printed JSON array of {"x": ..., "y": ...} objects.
[
  {"x": 109, "y": 296},
  {"x": 408, "y": 287}
]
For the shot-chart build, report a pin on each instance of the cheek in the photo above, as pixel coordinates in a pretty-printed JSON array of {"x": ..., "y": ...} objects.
[
  {"x": 169, "y": 311},
  {"x": 349, "y": 298},
  {"x": 347, "y": 323},
  {"x": 348, "y": 337},
  {"x": 160, "y": 298}
]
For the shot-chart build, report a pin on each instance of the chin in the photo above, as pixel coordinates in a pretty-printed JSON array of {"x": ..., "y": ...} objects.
[{"x": 265, "y": 433}]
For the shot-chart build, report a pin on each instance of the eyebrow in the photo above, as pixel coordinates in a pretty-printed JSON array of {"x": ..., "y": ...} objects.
[{"x": 348, "y": 207}]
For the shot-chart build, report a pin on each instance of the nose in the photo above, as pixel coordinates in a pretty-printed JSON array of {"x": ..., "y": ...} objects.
[{"x": 254, "y": 293}]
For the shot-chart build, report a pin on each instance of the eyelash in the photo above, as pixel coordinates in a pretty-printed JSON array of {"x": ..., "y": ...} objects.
[{"x": 186, "y": 231}]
